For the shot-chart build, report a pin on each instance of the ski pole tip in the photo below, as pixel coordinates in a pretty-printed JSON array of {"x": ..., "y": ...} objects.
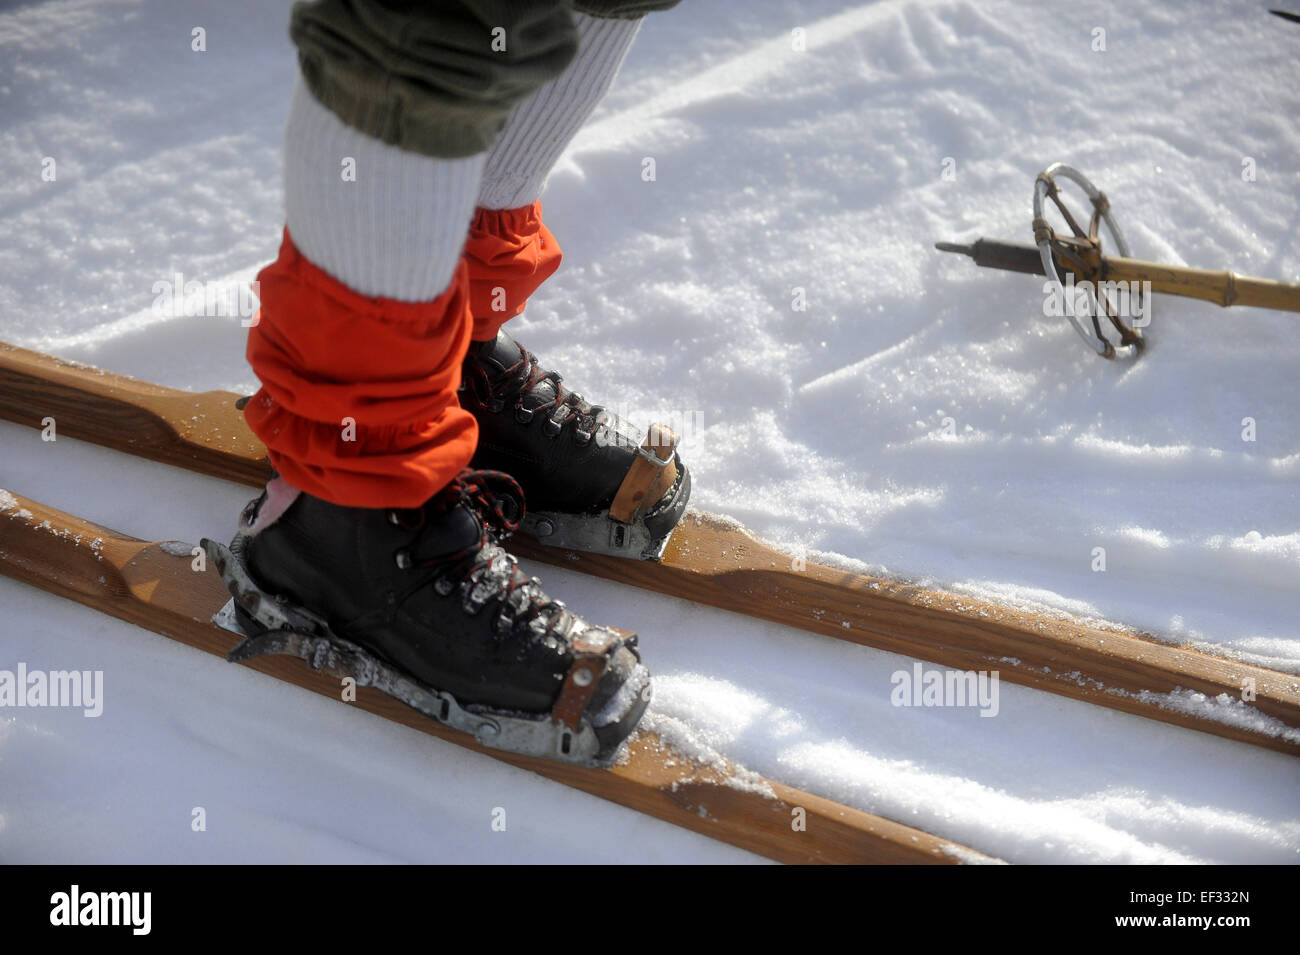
[{"x": 955, "y": 247}]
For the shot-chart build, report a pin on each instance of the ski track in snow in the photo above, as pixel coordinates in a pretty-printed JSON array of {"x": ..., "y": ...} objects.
[{"x": 821, "y": 430}]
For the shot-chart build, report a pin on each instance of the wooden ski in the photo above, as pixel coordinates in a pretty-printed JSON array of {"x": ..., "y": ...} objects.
[
  {"x": 157, "y": 586},
  {"x": 716, "y": 562}
]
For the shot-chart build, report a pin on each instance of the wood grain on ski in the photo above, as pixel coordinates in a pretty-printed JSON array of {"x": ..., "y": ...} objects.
[
  {"x": 714, "y": 562},
  {"x": 157, "y": 587},
  {"x": 203, "y": 432}
]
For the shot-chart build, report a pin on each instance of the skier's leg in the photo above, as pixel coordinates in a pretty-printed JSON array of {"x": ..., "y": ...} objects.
[
  {"x": 374, "y": 533},
  {"x": 365, "y": 314},
  {"x": 510, "y": 252},
  {"x": 364, "y": 317},
  {"x": 590, "y": 484}
]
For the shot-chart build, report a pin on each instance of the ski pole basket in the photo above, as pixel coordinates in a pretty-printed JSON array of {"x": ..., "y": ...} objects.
[
  {"x": 1080, "y": 253},
  {"x": 1089, "y": 284}
]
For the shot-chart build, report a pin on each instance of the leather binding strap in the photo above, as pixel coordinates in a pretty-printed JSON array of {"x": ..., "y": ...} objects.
[
  {"x": 590, "y": 657},
  {"x": 650, "y": 477}
]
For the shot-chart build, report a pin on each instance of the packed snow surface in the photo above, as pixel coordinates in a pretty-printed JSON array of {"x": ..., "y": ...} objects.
[{"x": 917, "y": 417}]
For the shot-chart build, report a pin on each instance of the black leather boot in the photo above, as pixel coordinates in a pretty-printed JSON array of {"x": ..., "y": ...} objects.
[
  {"x": 431, "y": 592},
  {"x": 592, "y": 480}
]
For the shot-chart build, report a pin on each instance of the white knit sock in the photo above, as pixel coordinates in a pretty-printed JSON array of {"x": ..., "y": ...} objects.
[
  {"x": 396, "y": 231},
  {"x": 541, "y": 126}
]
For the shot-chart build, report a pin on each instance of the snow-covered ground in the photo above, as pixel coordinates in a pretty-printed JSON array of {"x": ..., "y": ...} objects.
[{"x": 777, "y": 169}]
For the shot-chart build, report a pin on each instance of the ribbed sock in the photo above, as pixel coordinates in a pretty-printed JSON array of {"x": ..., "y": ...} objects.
[
  {"x": 541, "y": 126},
  {"x": 397, "y": 230}
]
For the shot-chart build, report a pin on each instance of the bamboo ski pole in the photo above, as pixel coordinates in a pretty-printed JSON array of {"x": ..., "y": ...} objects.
[{"x": 1220, "y": 287}]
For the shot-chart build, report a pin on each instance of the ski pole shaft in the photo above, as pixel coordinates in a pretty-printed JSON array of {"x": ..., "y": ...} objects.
[{"x": 1220, "y": 287}]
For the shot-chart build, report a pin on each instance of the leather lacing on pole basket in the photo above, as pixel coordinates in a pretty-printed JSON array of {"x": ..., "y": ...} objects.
[{"x": 1081, "y": 254}]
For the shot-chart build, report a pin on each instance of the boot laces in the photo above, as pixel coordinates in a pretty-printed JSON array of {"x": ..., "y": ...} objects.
[
  {"x": 485, "y": 572},
  {"x": 495, "y": 496},
  {"x": 521, "y": 379}
]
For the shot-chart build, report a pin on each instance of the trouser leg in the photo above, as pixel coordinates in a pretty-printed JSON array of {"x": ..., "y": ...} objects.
[{"x": 365, "y": 314}]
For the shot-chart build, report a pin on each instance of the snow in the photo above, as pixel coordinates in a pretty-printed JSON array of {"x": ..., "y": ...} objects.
[{"x": 922, "y": 418}]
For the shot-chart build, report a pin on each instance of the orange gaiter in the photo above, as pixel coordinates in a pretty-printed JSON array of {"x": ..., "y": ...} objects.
[
  {"x": 509, "y": 253},
  {"x": 358, "y": 399}
]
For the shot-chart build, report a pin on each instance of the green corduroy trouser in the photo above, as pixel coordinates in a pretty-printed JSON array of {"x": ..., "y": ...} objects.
[{"x": 438, "y": 77}]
